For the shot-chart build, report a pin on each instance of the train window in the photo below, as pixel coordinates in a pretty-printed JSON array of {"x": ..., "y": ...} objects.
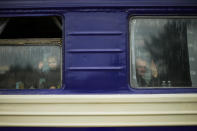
[
  {"x": 163, "y": 51},
  {"x": 30, "y": 52}
]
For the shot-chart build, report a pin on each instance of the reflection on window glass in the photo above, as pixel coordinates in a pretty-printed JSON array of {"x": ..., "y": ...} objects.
[
  {"x": 30, "y": 55},
  {"x": 164, "y": 52}
]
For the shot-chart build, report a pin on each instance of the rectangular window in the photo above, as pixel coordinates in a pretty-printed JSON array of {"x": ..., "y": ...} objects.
[
  {"x": 30, "y": 52},
  {"x": 163, "y": 51}
]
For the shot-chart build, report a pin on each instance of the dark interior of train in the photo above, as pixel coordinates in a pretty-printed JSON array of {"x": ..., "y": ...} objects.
[{"x": 31, "y": 27}]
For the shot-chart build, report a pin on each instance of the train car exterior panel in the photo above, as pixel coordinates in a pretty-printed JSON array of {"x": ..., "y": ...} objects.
[{"x": 96, "y": 92}]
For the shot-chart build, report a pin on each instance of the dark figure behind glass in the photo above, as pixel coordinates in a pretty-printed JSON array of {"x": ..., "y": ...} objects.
[
  {"x": 50, "y": 77},
  {"x": 141, "y": 69},
  {"x": 140, "y": 72}
]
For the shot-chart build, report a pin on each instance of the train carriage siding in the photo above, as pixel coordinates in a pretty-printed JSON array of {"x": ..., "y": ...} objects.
[{"x": 96, "y": 56}]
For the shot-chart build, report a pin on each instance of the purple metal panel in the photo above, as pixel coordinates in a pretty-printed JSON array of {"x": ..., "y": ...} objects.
[
  {"x": 96, "y": 48},
  {"x": 93, "y": 3}
]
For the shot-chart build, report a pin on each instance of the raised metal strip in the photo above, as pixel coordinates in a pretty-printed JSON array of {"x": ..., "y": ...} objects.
[
  {"x": 95, "y": 33},
  {"x": 95, "y": 50},
  {"x": 96, "y": 68}
]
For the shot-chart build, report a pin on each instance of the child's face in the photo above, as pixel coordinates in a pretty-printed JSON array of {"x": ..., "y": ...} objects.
[{"x": 52, "y": 62}]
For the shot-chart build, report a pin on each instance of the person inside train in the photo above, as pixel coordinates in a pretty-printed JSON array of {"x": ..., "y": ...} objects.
[
  {"x": 49, "y": 74},
  {"x": 141, "y": 70},
  {"x": 141, "y": 66}
]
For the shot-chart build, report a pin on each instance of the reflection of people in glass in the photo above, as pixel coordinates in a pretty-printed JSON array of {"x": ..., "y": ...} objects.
[
  {"x": 49, "y": 74},
  {"x": 141, "y": 69}
]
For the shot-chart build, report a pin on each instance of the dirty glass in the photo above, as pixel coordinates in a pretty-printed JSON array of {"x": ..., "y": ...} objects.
[
  {"x": 163, "y": 52},
  {"x": 30, "y": 59}
]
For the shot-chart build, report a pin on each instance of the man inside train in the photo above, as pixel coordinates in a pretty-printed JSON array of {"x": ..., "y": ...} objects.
[
  {"x": 141, "y": 70},
  {"x": 141, "y": 66}
]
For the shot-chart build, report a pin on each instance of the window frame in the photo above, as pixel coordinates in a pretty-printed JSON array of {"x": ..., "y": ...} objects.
[
  {"x": 62, "y": 54},
  {"x": 132, "y": 82}
]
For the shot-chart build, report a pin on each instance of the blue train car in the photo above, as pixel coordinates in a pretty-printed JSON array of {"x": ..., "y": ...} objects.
[{"x": 98, "y": 65}]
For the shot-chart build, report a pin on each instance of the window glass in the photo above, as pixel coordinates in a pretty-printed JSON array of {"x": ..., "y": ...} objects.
[
  {"x": 163, "y": 52},
  {"x": 30, "y": 52}
]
